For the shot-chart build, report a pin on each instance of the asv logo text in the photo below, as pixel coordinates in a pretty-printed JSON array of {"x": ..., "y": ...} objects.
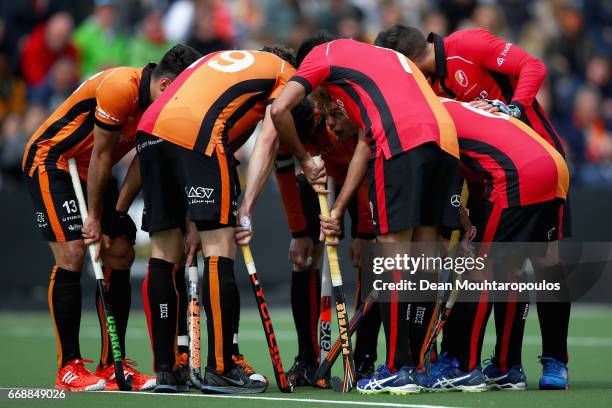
[{"x": 199, "y": 192}]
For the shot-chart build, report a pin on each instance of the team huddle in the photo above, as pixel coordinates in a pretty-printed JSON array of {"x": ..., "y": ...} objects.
[{"x": 400, "y": 126}]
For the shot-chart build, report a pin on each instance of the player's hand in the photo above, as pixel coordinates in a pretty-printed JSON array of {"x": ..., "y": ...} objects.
[
  {"x": 300, "y": 252},
  {"x": 243, "y": 231},
  {"x": 315, "y": 174},
  {"x": 192, "y": 242},
  {"x": 355, "y": 251},
  {"x": 92, "y": 233},
  {"x": 331, "y": 227},
  {"x": 469, "y": 233},
  {"x": 485, "y": 105}
]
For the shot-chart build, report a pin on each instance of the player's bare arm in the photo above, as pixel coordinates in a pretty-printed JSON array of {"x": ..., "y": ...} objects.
[
  {"x": 260, "y": 167},
  {"x": 99, "y": 174},
  {"x": 131, "y": 186},
  {"x": 292, "y": 94},
  {"x": 356, "y": 172}
]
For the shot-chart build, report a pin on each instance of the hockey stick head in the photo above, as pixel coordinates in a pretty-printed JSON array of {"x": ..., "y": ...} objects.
[{"x": 125, "y": 383}]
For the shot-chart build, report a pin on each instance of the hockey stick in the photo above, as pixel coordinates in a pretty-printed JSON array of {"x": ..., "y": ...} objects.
[
  {"x": 330, "y": 359},
  {"x": 452, "y": 297},
  {"x": 326, "y": 292},
  {"x": 277, "y": 365},
  {"x": 124, "y": 384},
  {"x": 193, "y": 322},
  {"x": 348, "y": 381}
]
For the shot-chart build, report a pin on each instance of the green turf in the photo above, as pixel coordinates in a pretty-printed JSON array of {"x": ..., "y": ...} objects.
[{"x": 28, "y": 360}]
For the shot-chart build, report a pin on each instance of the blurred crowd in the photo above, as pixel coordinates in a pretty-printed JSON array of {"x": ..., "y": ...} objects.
[{"x": 47, "y": 47}]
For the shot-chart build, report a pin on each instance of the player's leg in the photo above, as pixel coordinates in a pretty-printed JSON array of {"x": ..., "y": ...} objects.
[
  {"x": 553, "y": 316},
  {"x": 58, "y": 219}
]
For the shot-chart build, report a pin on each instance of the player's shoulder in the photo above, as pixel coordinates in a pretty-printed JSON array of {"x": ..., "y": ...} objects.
[
  {"x": 467, "y": 34},
  {"x": 120, "y": 82}
]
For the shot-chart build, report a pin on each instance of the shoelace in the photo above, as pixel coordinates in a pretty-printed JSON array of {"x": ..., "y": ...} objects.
[
  {"x": 552, "y": 367},
  {"x": 241, "y": 361},
  {"x": 488, "y": 361},
  {"x": 80, "y": 369}
]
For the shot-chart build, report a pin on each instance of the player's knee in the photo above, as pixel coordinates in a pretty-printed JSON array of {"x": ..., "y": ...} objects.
[
  {"x": 71, "y": 255},
  {"x": 120, "y": 255}
]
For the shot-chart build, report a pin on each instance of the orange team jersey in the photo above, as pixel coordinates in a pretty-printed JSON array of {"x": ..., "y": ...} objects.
[
  {"x": 218, "y": 98},
  {"x": 336, "y": 155},
  {"x": 113, "y": 99}
]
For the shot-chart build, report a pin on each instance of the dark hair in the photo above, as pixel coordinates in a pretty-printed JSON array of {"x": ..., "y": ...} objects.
[
  {"x": 281, "y": 51},
  {"x": 309, "y": 44},
  {"x": 175, "y": 61},
  {"x": 406, "y": 40},
  {"x": 303, "y": 117}
]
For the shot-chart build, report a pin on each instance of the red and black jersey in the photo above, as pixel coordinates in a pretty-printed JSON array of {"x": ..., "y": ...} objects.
[
  {"x": 514, "y": 164},
  {"x": 474, "y": 64},
  {"x": 395, "y": 105},
  {"x": 336, "y": 155}
]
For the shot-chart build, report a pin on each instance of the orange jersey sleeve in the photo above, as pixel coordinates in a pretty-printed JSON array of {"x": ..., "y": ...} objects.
[{"x": 116, "y": 98}]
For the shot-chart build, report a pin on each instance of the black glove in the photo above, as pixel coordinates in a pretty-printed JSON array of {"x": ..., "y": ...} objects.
[{"x": 120, "y": 224}]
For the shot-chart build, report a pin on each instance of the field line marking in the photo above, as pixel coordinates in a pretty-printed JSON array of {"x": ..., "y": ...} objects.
[{"x": 306, "y": 400}]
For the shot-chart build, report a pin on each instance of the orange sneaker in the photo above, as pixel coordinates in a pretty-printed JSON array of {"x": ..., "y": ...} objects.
[
  {"x": 75, "y": 377},
  {"x": 140, "y": 382},
  {"x": 240, "y": 361}
]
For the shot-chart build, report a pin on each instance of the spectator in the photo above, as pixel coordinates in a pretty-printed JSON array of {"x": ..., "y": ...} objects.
[
  {"x": 100, "y": 42},
  {"x": 12, "y": 90},
  {"x": 209, "y": 34},
  {"x": 61, "y": 82},
  {"x": 150, "y": 43},
  {"x": 16, "y": 130},
  {"x": 435, "y": 22},
  {"x": 48, "y": 43}
]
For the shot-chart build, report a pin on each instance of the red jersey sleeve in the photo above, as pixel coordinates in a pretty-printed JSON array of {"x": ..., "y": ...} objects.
[
  {"x": 506, "y": 58},
  {"x": 290, "y": 195},
  {"x": 314, "y": 70}
]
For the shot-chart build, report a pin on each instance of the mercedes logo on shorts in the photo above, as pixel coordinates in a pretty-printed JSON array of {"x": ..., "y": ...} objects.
[{"x": 455, "y": 200}]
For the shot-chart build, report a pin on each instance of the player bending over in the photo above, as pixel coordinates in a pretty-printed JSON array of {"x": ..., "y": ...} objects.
[
  {"x": 474, "y": 65},
  {"x": 96, "y": 125},
  {"x": 406, "y": 137},
  {"x": 523, "y": 181},
  {"x": 331, "y": 135}
]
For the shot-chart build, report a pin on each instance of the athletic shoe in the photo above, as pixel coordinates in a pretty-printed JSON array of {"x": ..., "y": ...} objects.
[
  {"x": 165, "y": 381},
  {"x": 240, "y": 360},
  {"x": 364, "y": 369},
  {"x": 404, "y": 381},
  {"x": 302, "y": 373},
  {"x": 140, "y": 382},
  {"x": 235, "y": 381},
  {"x": 554, "y": 374},
  {"x": 183, "y": 384},
  {"x": 514, "y": 379},
  {"x": 443, "y": 362},
  {"x": 75, "y": 377},
  {"x": 452, "y": 378}
]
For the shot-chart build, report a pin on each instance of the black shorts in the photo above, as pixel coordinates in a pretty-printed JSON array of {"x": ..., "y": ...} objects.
[
  {"x": 177, "y": 181},
  {"x": 56, "y": 209},
  {"x": 530, "y": 223},
  {"x": 310, "y": 206},
  {"x": 420, "y": 187}
]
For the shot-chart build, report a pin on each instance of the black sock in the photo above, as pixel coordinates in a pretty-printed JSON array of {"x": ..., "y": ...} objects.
[
  {"x": 510, "y": 318},
  {"x": 305, "y": 299},
  {"x": 421, "y": 323},
  {"x": 161, "y": 308},
  {"x": 554, "y": 316},
  {"x": 65, "y": 305},
  {"x": 395, "y": 317},
  {"x": 236, "y": 322},
  {"x": 181, "y": 290},
  {"x": 366, "y": 340},
  {"x": 218, "y": 292},
  {"x": 464, "y": 331},
  {"x": 119, "y": 295}
]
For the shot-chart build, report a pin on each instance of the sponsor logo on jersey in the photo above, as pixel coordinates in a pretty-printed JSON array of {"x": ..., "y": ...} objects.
[
  {"x": 106, "y": 115},
  {"x": 461, "y": 78},
  {"x": 502, "y": 57}
]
